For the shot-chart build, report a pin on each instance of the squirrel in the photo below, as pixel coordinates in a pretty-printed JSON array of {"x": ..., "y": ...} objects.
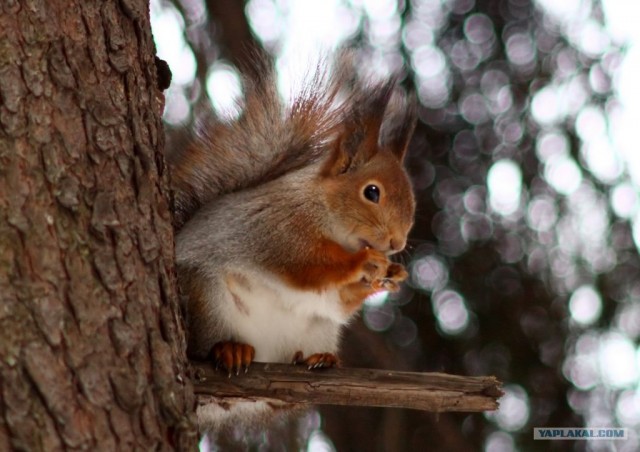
[{"x": 287, "y": 218}]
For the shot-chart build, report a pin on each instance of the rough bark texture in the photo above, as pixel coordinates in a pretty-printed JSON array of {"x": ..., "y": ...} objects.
[
  {"x": 91, "y": 345},
  {"x": 433, "y": 392}
]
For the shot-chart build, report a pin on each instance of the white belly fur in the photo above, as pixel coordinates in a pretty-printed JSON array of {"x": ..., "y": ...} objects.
[{"x": 260, "y": 310}]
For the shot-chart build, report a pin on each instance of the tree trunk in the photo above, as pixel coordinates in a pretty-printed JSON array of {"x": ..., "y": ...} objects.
[{"x": 91, "y": 342}]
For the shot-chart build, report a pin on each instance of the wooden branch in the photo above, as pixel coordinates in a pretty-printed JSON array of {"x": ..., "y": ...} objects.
[{"x": 434, "y": 392}]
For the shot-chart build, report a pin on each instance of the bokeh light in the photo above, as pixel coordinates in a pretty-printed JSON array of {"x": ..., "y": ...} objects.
[
  {"x": 514, "y": 409},
  {"x": 563, "y": 174},
  {"x": 618, "y": 361},
  {"x": 429, "y": 273},
  {"x": 318, "y": 442},
  {"x": 585, "y": 305},
  {"x": 499, "y": 442},
  {"x": 451, "y": 311},
  {"x": 225, "y": 90},
  {"x": 504, "y": 181}
]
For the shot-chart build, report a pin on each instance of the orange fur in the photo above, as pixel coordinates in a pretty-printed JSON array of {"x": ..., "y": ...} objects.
[
  {"x": 354, "y": 294},
  {"x": 328, "y": 265}
]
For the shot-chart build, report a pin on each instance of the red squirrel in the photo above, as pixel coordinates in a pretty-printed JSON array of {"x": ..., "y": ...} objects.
[{"x": 290, "y": 213}]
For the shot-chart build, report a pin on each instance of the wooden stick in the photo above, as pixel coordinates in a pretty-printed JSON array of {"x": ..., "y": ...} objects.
[{"x": 434, "y": 392}]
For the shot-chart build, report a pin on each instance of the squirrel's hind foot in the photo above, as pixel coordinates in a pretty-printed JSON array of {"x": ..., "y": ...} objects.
[
  {"x": 232, "y": 356},
  {"x": 317, "y": 360}
]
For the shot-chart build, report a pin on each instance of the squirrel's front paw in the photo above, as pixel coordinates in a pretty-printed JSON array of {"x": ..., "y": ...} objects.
[
  {"x": 317, "y": 360},
  {"x": 374, "y": 266},
  {"x": 396, "y": 273},
  {"x": 232, "y": 356}
]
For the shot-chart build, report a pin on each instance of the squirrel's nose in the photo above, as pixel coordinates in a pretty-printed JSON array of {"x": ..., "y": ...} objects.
[{"x": 396, "y": 244}]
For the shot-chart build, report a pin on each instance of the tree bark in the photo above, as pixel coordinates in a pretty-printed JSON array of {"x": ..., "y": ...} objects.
[{"x": 91, "y": 343}]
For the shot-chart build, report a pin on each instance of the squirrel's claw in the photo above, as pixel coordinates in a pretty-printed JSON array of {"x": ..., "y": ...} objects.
[
  {"x": 317, "y": 360},
  {"x": 396, "y": 273},
  {"x": 380, "y": 274},
  {"x": 232, "y": 356}
]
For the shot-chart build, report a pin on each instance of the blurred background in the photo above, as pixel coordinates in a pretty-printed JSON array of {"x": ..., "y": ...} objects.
[{"x": 524, "y": 258}]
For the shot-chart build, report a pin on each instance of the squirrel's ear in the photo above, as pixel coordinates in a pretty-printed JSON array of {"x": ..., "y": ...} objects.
[
  {"x": 359, "y": 138},
  {"x": 397, "y": 131},
  {"x": 343, "y": 153}
]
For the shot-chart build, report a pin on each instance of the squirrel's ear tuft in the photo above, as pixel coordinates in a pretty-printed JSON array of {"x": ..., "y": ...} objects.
[
  {"x": 398, "y": 128},
  {"x": 358, "y": 140},
  {"x": 369, "y": 110}
]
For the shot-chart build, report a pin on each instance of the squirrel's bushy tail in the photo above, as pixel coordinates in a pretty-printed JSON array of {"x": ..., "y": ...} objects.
[
  {"x": 269, "y": 139},
  {"x": 272, "y": 137}
]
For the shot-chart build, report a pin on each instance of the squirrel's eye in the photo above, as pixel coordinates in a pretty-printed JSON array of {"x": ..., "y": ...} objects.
[{"x": 372, "y": 193}]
